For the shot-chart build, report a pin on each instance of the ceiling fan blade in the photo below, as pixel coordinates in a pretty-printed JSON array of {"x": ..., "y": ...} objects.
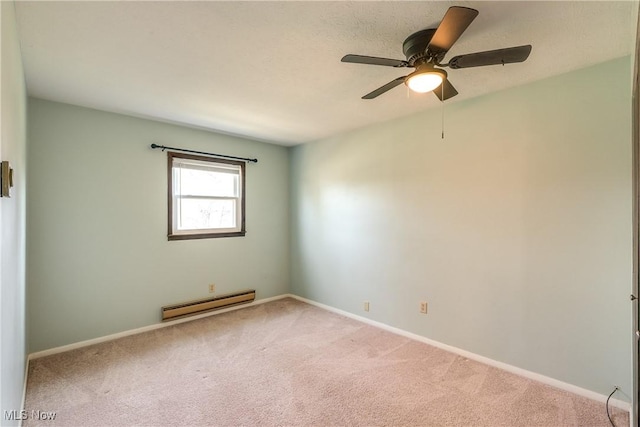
[
  {"x": 449, "y": 90},
  {"x": 508, "y": 55},
  {"x": 372, "y": 60},
  {"x": 454, "y": 23},
  {"x": 383, "y": 89}
]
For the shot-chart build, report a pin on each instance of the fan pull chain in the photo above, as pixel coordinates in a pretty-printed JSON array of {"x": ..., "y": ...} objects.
[{"x": 442, "y": 102}]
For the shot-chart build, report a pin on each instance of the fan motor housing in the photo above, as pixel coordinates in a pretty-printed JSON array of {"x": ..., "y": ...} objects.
[{"x": 415, "y": 46}]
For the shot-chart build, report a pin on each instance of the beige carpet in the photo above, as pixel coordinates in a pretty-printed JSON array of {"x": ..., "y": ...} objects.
[{"x": 288, "y": 363}]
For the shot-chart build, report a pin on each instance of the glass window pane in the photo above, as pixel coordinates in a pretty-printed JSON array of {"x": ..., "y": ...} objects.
[
  {"x": 206, "y": 213},
  {"x": 198, "y": 182},
  {"x": 206, "y": 197}
]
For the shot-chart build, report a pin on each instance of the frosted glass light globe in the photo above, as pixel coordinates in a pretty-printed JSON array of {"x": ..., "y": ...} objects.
[{"x": 424, "y": 82}]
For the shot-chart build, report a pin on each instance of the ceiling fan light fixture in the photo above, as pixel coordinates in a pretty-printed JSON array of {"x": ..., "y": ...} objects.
[{"x": 425, "y": 80}]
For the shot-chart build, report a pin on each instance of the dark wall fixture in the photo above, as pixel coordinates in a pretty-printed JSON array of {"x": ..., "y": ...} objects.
[{"x": 6, "y": 179}]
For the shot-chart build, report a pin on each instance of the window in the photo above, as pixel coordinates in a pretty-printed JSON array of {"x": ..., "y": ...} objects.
[{"x": 206, "y": 197}]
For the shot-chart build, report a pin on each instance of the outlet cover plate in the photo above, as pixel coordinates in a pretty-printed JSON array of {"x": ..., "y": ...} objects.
[{"x": 423, "y": 307}]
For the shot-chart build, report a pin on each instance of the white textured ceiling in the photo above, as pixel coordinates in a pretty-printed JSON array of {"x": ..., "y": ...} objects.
[{"x": 271, "y": 70}]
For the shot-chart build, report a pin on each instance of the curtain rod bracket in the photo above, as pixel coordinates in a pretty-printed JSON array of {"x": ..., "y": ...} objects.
[{"x": 224, "y": 156}]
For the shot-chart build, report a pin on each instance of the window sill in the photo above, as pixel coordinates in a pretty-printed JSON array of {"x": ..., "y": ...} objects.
[{"x": 205, "y": 235}]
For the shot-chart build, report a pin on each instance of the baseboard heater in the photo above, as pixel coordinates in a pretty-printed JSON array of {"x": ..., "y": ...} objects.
[{"x": 190, "y": 308}]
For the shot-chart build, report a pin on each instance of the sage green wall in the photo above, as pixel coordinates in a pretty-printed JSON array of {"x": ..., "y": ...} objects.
[
  {"x": 98, "y": 257},
  {"x": 516, "y": 228},
  {"x": 12, "y": 220}
]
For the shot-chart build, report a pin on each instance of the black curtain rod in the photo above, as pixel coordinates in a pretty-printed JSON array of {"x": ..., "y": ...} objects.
[{"x": 224, "y": 156}]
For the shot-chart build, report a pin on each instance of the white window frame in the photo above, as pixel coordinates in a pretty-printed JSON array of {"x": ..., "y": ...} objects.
[{"x": 208, "y": 163}]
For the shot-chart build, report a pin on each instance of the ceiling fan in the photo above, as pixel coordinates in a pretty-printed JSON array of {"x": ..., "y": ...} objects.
[{"x": 425, "y": 50}]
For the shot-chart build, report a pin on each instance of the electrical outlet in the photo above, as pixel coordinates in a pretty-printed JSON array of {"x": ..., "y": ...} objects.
[
  {"x": 212, "y": 288},
  {"x": 423, "y": 307},
  {"x": 366, "y": 306}
]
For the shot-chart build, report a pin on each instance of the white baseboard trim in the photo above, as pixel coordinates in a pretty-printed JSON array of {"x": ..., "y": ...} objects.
[
  {"x": 621, "y": 404},
  {"x": 68, "y": 347}
]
